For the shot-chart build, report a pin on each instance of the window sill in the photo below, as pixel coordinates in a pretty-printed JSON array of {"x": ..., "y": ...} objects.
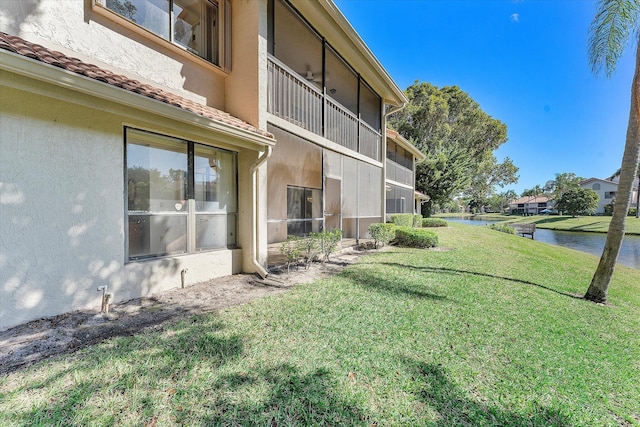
[{"x": 101, "y": 10}]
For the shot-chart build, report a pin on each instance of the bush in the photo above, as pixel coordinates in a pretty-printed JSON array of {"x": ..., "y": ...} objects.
[
  {"x": 503, "y": 228},
  {"x": 416, "y": 237},
  {"x": 310, "y": 248},
  {"x": 291, "y": 250},
  {"x": 417, "y": 221},
  {"x": 382, "y": 233},
  {"x": 329, "y": 242},
  {"x": 434, "y": 222},
  {"x": 632, "y": 212},
  {"x": 402, "y": 220}
]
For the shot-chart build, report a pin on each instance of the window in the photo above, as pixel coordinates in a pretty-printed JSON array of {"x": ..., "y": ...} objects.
[
  {"x": 610, "y": 194},
  {"x": 199, "y": 26},
  {"x": 181, "y": 196},
  {"x": 596, "y": 186},
  {"x": 304, "y": 211}
]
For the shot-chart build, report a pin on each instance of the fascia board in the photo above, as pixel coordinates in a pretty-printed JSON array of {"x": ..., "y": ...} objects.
[{"x": 28, "y": 67}]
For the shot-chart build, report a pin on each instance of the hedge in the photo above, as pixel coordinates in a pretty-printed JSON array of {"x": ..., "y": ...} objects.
[
  {"x": 415, "y": 237},
  {"x": 434, "y": 222},
  {"x": 402, "y": 220},
  {"x": 382, "y": 233}
]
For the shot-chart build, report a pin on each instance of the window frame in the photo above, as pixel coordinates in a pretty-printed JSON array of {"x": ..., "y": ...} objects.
[
  {"x": 193, "y": 214},
  {"x": 223, "y": 31}
]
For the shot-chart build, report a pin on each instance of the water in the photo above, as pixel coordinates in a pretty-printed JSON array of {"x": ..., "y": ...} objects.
[{"x": 592, "y": 243}]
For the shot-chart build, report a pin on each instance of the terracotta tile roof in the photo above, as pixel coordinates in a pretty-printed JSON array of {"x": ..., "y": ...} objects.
[{"x": 39, "y": 53}]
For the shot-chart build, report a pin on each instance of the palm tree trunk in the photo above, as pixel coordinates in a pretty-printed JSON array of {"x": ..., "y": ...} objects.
[{"x": 597, "y": 291}]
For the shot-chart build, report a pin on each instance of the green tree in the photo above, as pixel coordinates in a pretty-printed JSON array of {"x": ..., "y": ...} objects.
[
  {"x": 455, "y": 135},
  {"x": 578, "y": 201},
  {"x": 489, "y": 175},
  {"x": 562, "y": 182},
  {"x": 615, "y": 22}
]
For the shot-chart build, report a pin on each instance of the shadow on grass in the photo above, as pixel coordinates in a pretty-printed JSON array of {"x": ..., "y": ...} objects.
[
  {"x": 388, "y": 284},
  {"x": 293, "y": 398},
  {"x": 173, "y": 374},
  {"x": 443, "y": 270},
  {"x": 434, "y": 388}
]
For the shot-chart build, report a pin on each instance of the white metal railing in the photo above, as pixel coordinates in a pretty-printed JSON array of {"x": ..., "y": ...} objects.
[{"x": 298, "y": 101}]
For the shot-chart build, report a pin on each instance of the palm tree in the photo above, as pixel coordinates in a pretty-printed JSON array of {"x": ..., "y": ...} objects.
[{"x": 616, "y": 22}]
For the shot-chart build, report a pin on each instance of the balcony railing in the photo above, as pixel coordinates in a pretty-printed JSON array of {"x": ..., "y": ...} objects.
[
  {"x": 295, "y": 100},
  {"x": 398, "y": 173}
]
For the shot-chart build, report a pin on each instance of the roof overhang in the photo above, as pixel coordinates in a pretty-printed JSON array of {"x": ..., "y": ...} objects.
[
  {"x": 327, "y": 19},
  {"x": 402, "y": 141},
  {"x": 27, "y": 67}
]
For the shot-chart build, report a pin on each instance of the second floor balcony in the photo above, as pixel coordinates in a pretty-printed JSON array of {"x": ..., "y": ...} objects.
[{"x": 299, "y": 101}]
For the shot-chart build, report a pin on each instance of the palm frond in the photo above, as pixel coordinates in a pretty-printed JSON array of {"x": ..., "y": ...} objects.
[{"x": 614, "y": 23}]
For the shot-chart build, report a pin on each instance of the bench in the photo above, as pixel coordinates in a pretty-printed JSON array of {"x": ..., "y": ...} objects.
[{"x": 525, "y": 229}]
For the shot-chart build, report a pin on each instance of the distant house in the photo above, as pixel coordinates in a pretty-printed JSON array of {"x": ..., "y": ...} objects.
[
  {"x": 607, "y": 190},
  {"x": 529, "y": 205}
]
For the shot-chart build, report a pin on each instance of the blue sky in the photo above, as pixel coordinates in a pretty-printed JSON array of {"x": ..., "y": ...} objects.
[{"x": 524, "y": 61}]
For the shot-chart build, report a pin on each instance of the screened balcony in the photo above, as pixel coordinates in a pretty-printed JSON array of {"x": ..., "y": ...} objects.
[
  {"x": 312, "y": 86},
  {"x": 294, "y": 99}
]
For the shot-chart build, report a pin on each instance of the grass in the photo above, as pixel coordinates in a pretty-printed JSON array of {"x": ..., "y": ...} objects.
[
  {"x": 487, "y": 332},
  {"x": 597, "y": 224}
]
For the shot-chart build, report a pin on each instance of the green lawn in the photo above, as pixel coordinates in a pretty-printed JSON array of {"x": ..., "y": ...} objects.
[
  {"x": 487, "y": 332},
  {"x": 598, "y": 224}
]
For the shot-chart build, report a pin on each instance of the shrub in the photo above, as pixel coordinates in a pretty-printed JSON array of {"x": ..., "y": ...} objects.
[
  {"x": 382, "y": 233},
  {"x": 632, "y": 212},
  {"x": 402, "y": 220},
  {"x": 310, "y": 247},
  {"x": 329, "y": 242},
  {"x": 416, "y": 237},
  {"x": 503, "y": 228},
  {"x": 417, "y": 221},
  {"x": 434, "y": 222},
  {"x": 291, "y": 250}
]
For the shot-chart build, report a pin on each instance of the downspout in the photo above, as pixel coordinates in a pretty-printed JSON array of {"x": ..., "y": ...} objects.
[{"x": 256, "y": 200}]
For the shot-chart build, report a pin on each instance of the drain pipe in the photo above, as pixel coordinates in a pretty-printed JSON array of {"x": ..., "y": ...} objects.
[{"x": 256, "y": 212}]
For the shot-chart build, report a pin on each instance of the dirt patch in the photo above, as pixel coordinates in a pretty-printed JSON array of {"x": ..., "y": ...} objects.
[{"x": 26, "y": 344}]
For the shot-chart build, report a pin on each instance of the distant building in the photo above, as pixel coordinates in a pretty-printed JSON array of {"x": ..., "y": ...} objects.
[
  {"x": 607, "y": 190},
  {"x": 530, "y": 205}
]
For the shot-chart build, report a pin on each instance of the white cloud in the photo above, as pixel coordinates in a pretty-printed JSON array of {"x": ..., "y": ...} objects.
[{"x": 515, "y": 17}]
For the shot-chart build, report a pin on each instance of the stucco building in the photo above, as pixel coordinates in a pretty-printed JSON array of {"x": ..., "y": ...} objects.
[
  {"x": 607, "y": 191},
  {"x": 147, "y": 144}
]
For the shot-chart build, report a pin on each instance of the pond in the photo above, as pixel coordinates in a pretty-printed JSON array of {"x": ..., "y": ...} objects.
[{"x": 592, "y": 243}]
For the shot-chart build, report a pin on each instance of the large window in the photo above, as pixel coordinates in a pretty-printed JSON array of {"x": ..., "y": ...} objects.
[
  {"x": 182, "y": 196},
  {"x": 199, "y": 26}
]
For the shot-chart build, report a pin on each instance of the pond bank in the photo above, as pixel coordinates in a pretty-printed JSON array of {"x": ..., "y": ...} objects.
[{"x": 588, "y": 224}]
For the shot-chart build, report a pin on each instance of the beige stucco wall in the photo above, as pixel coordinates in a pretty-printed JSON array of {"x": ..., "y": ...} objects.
[
  {"x": 78, "y": 30},
  {"x": 246, "y": 85},
  {"x": 62, "y": 206}
]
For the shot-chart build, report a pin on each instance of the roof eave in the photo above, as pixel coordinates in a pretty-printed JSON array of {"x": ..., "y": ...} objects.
[{"x": 28, "y": 67}]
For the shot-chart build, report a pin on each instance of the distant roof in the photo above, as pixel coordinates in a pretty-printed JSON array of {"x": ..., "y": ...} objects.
[
  {"x": 586, "y": 181},
  {"x": 531, "y": 199},
  {"x": 34, "y": 51}
]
